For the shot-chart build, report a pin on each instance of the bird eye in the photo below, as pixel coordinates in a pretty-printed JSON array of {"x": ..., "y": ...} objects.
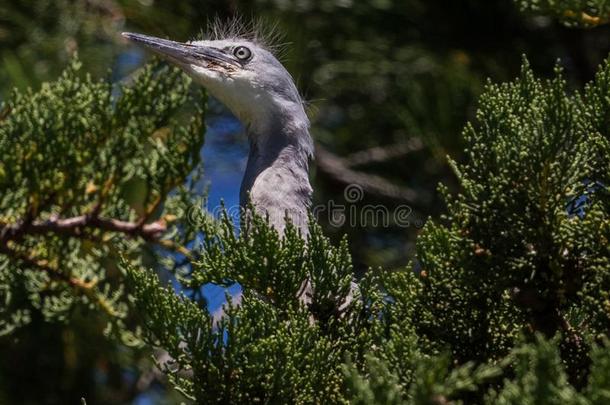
[{"x": 241, "y": 52}]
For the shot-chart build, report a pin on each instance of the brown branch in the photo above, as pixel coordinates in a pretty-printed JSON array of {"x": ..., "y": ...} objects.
[
  {"x": 74, "y": 226},
  {"x": 12, "y": 234},
  {"x": 383, "y": 153},
  {"x": 338, "y": 169}
]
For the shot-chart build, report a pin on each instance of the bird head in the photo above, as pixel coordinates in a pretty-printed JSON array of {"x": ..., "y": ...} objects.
[{"x": 241, "y": 73}]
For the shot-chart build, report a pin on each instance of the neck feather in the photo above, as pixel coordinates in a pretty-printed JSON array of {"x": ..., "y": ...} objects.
[{"x": 277, "y": 174}]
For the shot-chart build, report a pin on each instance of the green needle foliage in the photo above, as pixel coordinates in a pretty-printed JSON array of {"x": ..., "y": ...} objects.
[
  {"x": 86, "y": 171},
  {"x": 510, "y": 303},
  {"x": 267, "y": 347},
  {"x": 527, "y": 238},
  {"x": 522, "y": 256}
]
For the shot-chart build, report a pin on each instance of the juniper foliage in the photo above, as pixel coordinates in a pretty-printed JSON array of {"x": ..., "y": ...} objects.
[
  {"x": 86, "y": 171},
  {"x": 522, "y": 255},
  {"x": 265, "y": 347},
  {"x": 526, "y": 240},
  {"x": 510, "y": 304}
]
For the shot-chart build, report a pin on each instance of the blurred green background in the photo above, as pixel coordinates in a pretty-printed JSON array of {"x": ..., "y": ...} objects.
[{"x": 389, "y": 84}]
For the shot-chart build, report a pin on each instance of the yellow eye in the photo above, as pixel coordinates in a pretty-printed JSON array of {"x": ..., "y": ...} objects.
[{"x": 242, "y": 53}]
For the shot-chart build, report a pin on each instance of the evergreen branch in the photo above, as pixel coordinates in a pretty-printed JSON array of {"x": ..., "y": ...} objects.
[
  {"x": 74, "y": 226},
  {"x": 43, "y": 265},
  {"x": 85, "y": 288}
]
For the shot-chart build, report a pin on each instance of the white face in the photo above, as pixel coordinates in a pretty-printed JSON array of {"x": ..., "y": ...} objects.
[
  {"x": 242, "y": 89},
  {"x": 245, "y": 77}
]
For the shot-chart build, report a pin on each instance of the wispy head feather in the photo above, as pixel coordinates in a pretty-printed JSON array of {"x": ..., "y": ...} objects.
[{"x": 258, "y": 30}]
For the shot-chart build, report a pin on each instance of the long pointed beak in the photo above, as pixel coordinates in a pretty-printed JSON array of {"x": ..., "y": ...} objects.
[{"x": 183, "y": 53}]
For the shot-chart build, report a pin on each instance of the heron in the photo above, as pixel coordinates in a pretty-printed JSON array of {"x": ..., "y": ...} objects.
[{"x": 245, "y": 75}]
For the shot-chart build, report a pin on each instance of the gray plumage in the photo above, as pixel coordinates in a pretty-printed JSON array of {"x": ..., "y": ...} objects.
[{"x": 244, "y": 75}]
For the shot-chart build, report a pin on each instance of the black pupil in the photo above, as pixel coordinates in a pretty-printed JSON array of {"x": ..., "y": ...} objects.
[{"x": 242, "y": 52}]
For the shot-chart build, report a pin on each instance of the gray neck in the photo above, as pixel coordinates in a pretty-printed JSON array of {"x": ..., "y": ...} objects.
[{"x": 277, "y": 174}]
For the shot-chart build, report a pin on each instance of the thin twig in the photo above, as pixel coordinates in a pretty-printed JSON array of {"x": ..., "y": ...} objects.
[
  {"x": 339, "y": 170},
  {"x": 379, "y": 154},
  {"x": 40, "y": 264}
]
